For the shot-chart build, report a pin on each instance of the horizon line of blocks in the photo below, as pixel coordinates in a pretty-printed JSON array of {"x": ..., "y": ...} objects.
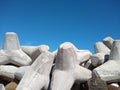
[{"x": 66, "y": 68}]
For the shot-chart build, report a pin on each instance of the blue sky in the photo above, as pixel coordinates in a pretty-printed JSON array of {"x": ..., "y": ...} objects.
[{"x": 52, "y": 22}]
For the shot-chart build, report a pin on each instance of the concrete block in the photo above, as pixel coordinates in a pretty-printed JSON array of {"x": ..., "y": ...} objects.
[
  {"x": 101, "y": 48},
  {"x": 108, "y": 41},
  {"x": 110, "y": 71},
  {"x": 37, "y": 77},
  {"x": 11, "y": 52},
  {"x": 67, "y": 70}
]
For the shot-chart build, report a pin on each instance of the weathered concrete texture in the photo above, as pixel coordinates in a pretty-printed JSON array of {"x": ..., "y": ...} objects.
[
  {"x": 7, "y": 72},
  {"x": 21, "y": 71},
  {"x": 37, "y": 77},
  {"x": 35, "y": 51},
  {"x": 97, "y": 84},
  {"x": 115, "y": 51},
  {"x": 39, "y": 50},
  {"x": 2, "y": 87},
  {"x": 11, "y": 52},
  {"x": 101, "y": 48},
  {"x": 108, "y": 41},
  {"x": 101, "y": 54},
  {"x": 67, "y": 70},
  {"x": 83, "y": 55},
  {"x": 11, "y": 41},
  {"x": 99, "y": 58},
  {"x": 29, "y": 49},
  {"x": 110, "y": 71}
]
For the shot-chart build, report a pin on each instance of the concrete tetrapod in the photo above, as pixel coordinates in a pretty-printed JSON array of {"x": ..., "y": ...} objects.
[
  {"x": 66, "y": 71},
  {"x": 20, "y": 72},
  {"x": 101, "y": 54},
  {"x": 37, "y": 77},
  {"x": 29, "y": 49},
  {"x": 7, "y": 72},
  {"x": 39, "y": 49},
  {"x": 11, "y": 51},
  {"x": 108, "y": 41},
  {"x": 82, "y": 55},
  {"x": 35, "y": 51},
  {"x": 98, "y": 59},
  {"x": 110, "y": 71},
  {"x": 101, "y": 48}
]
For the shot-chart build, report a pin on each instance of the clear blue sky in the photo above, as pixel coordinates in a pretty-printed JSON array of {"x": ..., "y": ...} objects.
[{"x": 52, "y": 22}]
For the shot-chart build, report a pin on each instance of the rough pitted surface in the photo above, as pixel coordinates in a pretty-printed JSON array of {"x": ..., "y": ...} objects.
[{"x": 97, "y": 84}]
